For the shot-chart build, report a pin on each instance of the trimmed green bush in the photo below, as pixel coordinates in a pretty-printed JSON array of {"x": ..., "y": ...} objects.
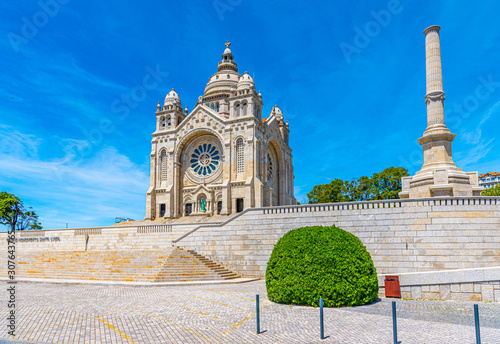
[{"x": 312, "y": 262}]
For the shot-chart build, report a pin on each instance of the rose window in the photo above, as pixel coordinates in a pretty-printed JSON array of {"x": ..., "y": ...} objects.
[{"x": 205, "y": 159}]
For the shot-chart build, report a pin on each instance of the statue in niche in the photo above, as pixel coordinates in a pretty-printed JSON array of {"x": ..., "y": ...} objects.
[{"x": 203, "y": 205}]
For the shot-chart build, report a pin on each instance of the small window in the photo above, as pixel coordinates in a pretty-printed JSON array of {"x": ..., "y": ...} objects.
[
  {"x": 188, "y": 209},
  {"x": 162, "y": 210},
  {"x": 219, "y": 207}
]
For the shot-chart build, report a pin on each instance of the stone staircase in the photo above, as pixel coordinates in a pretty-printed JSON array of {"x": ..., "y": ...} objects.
[
  {"x": 186, "y": 265},
  {"x": 174, "y": 265}
]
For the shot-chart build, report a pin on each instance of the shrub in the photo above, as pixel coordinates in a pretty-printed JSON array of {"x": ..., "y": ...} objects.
[{"x": 312, "y": 262}]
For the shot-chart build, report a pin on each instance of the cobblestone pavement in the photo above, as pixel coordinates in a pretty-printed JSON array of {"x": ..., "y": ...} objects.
[{"x": 49, "y": 313}]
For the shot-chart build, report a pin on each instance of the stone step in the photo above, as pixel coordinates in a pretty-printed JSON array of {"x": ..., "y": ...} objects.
[{"x": 175, "y": 264}]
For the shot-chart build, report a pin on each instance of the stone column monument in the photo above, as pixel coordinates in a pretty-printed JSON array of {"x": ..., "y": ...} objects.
[{"x": 438, "y": 177}]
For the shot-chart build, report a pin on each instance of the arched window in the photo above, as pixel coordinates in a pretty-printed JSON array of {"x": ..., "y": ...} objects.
[
  {"x": 270, "y": 168},
  {"x": 169, "y": 122},
  {"x": 162, "y": 122},
  {"x": 164, "y": 165},
  {"x": 240, "y": 156},
  {"x": 244, "y": 109},
  {"x": 256, "y": 112},
  {"x": 218, "y": 107},
  {"x": 237, "y": 110}
]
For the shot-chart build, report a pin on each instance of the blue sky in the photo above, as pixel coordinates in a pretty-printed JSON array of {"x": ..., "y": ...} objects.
[{"x": 76, "y": 120}]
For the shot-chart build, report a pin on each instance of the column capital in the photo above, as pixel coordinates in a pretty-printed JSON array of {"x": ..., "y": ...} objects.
[{"x": 432, "y": 28}]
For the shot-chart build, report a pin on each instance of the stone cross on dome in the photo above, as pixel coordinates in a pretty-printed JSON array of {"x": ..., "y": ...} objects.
[{"x": 228, "y": 44}]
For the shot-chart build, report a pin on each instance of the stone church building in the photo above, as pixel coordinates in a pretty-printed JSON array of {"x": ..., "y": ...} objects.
[{"x": 222, "y": 157}]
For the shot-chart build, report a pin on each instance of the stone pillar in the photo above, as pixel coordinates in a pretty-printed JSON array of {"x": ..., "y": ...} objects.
[
  {"x": 438, "y": 177},
  {"x": 434, "y": 78},
  {"x": 437, "y": 138},
  {"x": 176, "y": 186},
  {"x": 224, "y": 108},
  {"x": 226, "y": 199},
  {"x": 251, "y": 106}
]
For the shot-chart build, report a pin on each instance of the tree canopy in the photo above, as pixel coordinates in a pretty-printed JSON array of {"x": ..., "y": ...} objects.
[
  {"x": 13, "y": 213},
  {"x": 495, "y": 191},
  {"x": 382, "y": 185}
]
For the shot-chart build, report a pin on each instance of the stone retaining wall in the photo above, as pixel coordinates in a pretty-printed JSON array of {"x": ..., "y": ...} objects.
[
  {"x": 482, "y": 284},
  {"x": 402, "y": 236},
  {"x": 141, "y": 237}
]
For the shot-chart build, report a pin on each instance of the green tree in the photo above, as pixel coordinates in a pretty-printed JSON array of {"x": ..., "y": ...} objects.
[
  {"x": 492, "y": 191},
  {"x": 382, "y": 185},
  {"x": 387, "y": 184},
  {"x": 13, "y": 213},
  {"x": 327, "y": 193},
  {"x": 360, "y": 189}
]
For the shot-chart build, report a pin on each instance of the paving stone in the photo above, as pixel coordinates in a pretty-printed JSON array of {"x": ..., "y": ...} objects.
[{"x": 51, "y": 313}]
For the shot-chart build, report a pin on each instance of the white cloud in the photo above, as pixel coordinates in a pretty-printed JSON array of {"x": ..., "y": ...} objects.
[
  {"x": 481, "y": 147},
  {"x": 474, "y": 137},
  {"x": 88, "y": 192},
  {"x": 474, "y": 155},
  {"x": 16, "y": 143}
]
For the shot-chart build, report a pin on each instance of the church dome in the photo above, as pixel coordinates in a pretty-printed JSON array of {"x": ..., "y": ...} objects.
[
  {"x": 172, "y": 98},
  {"x": 222, "y": 82},
  {"x": 245, "y": 81},
  {"x": 227, "y": 76}
]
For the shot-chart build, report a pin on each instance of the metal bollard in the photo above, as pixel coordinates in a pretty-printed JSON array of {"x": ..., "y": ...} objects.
[
  {"x": 476, "y": 321},
  {"x": 394, "y": 323},
  {"x": 257, "y": 307},
  {"x": 321, "y": 326}
]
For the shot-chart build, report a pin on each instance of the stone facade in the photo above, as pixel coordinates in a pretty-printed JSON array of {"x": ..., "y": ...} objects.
[
  {"x": 222, "y": 157},
  {"x": 489, "y": 180},
  {"x": 438, "y": 177}
]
